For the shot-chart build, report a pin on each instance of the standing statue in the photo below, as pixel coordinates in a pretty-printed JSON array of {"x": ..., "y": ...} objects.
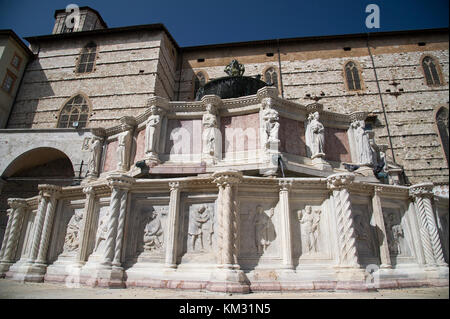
[
  {"x": 95, "y": 147},
  {"x": 153, "y": 232},
  {"x": 271, "y": 125},
  {"x": 198, "y": 219},
  {"x": 364, "y": 151},
  {"x": 309, "y": 226},
  {"x": 123, "y": 153},
  {"x": 71, "y": 241},
  {"x": 152, "y": 131},
  {"x": 209, "y": 130},
  {"x": 315, "y": 136},
  {"x": 264, "y": 232},
  {"x": 394, "y": 231}
]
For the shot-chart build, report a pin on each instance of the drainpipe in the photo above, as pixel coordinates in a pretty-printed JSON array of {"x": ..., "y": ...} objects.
[
  {"x": 180, "y": 65},
  {"x": 381, "y": 100},
  {"x": 279, "y": 68}
]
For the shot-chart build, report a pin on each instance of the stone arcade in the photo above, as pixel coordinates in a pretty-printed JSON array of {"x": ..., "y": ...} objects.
[{"x": 237, "y": 203}]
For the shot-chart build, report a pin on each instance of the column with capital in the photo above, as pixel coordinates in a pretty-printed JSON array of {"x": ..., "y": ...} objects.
[
  {"x": 228, "y": 277},
  {"x": 172, "y": 229},
  {"x": 52, "y": 192},
  {"x": 429, "y": 235},
  {"x": 110, "y": 271},
  {"x": 36, "y": 264},
  {"x": 11, "y": 239}
]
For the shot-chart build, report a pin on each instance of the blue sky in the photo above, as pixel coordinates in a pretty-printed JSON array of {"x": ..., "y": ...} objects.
[{"x": 201, "y": 22}]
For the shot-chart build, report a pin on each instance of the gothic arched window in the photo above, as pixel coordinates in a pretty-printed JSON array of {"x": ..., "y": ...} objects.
[
  {"x": 431, "y": 71},
  {"x": 271, "y": 77},
  {"x": 86, "y": 60},
  {"x": 352, "y": 76},
  {"x": 200, "y": 80},
  {"x": 75, "y": 113},
  {"x": 442, "y": 126}
]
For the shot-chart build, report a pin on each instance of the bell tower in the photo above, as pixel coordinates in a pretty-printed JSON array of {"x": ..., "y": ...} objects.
[{"x": 89, "y": 19}]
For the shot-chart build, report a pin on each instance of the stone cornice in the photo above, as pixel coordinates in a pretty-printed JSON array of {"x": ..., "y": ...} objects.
[
  {"x": 16, "y": 203},
  {"x": 48, "y": 190},
  {"x": 421, "y": 190},
  {"x": 339, "y": 181},
  {"x": 120, "y": 181},
  {"x": 285, "y": 184},
  {"x": 227, "y": 178},
  {"x": 384, "y": 190}
]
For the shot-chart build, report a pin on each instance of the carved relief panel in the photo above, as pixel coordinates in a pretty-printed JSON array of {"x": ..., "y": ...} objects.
[
  {"x": 147, "y": 228},
  {"x": 102, "y": 230},
  {"x": 66, "y": 230},
  {"x": 259, "y": 229},
  {"x": 151, "y": 231},
  {"x": 198, "y": 221},
  {"x": 311, "y": 233},
  {"x": 365, "y": 233},
  {"x": 26, "y": 238},
  {"x": 396, "y": 233}
]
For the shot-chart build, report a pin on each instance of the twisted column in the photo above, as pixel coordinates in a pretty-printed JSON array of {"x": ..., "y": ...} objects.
[
  {"x": 172, "y": 235},
  {"x": 120, "y": 228},
  {"x": 219, "y": 228},
  {"x": 338, "y": 183},
  {"x": 19, "y": 207},
  {"x": 50, "y": 191},
  {"x": 9, "y": 214},
  {"x": 431, "y": 243},
  {"x": 286, "y": 232},
  {"x": 227, "y": 216},
  {"x": 38, "y": 224},
  {"x": 113, "y": 247}
]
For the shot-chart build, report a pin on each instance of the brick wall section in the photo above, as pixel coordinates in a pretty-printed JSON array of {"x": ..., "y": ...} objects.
[{"x": 124, "y": 78}]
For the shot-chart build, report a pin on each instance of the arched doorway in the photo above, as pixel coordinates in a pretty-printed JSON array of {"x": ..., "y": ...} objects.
[{"x": 42, "y": 165}]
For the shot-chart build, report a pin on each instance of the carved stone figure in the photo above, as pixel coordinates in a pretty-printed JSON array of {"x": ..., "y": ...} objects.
[
  {"x": 71, "y": 241},
  {"x": 95, "y": 147},
  {"x": 102, "y": 232},
  {"x": 264, "y": 232},
  {"x": 209, "y": 130},
  {"x": 394, "y": 232},
  {"x": 362, "y": 233},
  {"x": 315, "y": 136},
  {"x": 234, "y": 68},
  {"x": 152, "y": 131},
  {"x": 198, "y": 227},
  {"x": 153, "y": 232},
  {"x": 309, "y": 226},
  {"x": 271, "y": 125},
  {"x": 124, "y": 140},
  {"x": 364, "y": 151}
]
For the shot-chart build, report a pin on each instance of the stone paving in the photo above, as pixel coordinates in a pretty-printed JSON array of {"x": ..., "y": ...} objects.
[{"x": 14, "y": 290}]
